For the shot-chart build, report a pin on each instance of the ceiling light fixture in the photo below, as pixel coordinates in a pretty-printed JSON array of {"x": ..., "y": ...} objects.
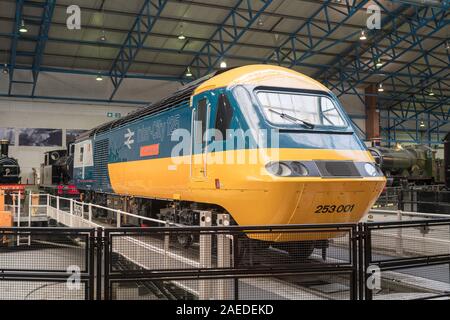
[
  {"x": 422, "y": 124},
  {"x": 5, "y": 69},
  {"x": 380, "y": 87},
  {"x": 260, "y": 22},
  {"x": 181, "y": 35},
  {"x": 223, "y": 64},
  {"x": 379, "y": 63},
  {"x": 103, "y": 36},
  {"x": 99, "y": 77},
  {"x": 362, "y": 36},
  {"x": 23, "y": 27},
  {"x": 447, "y": 46},
  {"x": 431, "y": 93},
  {"x": 188, "y": 72}
]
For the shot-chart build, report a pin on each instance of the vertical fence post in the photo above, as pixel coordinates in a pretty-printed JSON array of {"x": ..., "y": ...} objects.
[
  {"x": 90, "y": 212},
  {"x": 71, "y": 212},
  {"x": 166, "y": 246},
  {"x": 235, "y": 264},
  {"x": 107, "y": 248},
  {"x": 205, "y": 254},
  {"x": 119, "y": 217},
  {"x": 355, "y": 235},
  {"x": 99, "y": 246},
  {"x": 224, "y": 286},
  {"x": 361, "y": 273},
  {"x": 92, "y": 240},
  {"x": 57, "y": 209},
  {"x": 19, "y": 209},
  {"x": 30, "y": 204},
  {"x": 367, "y": 261},
  {"x": 401, "y": 204},
  {"x": 48, "y": 204},
  {"x": 399, "y": 240}
]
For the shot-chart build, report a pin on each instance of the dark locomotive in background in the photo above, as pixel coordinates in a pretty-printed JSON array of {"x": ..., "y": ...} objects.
[
  {"x": 416, "y": 165},
  {"x": 56, "y": 173},
  {"x": 9, "y": 167},
  {"x": 57, "y": 168}
]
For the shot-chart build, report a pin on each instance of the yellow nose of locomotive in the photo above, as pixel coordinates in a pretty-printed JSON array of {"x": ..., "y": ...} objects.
[
  {"x": 280, "y": 200},
  {"x": 345, "y": 200},
  {"x": 309, "y": 201}
]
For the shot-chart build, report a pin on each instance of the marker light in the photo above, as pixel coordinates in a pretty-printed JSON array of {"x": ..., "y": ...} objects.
[{"x": 370, "y": 169}]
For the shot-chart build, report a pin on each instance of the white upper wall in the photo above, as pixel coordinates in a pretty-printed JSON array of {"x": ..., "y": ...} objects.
[{"x": 46, "y": 114}]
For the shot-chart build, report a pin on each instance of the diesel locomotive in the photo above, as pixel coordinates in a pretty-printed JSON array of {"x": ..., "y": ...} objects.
[{"x": 194, "y": 150}]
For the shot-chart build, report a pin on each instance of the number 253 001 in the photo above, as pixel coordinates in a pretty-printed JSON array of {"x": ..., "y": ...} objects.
[{"x": 335, "y": 208}]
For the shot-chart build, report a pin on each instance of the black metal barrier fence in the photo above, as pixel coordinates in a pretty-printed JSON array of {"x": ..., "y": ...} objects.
[
  {"x": 47, "y": 263},
  {"x": 405, "y": 260},
  {"x": 238, "y": 263},
  {"x": 389, "y": 260},
  {"x": 429, "y": 199}
]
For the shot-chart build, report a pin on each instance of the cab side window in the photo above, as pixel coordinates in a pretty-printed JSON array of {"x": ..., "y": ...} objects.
[
  {"x": 200, "y": 119},
  {"x": 81, "y": 154},
  {"x": 224, "y": 115}
]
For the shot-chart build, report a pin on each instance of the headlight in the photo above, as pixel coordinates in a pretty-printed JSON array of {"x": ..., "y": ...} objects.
[
  {"x": 371, "y": 170},
  {"x": 279, "y": 169},
  {"x": 299, "y": 169},
  {"x": 287, "y": 169}
]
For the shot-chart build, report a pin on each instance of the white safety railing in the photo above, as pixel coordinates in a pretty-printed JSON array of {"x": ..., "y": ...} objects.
[
  {"x": 400, "y": 215},
  {"x": 80, "y": 214},
  {"x": 70, "y": 212},
  {"x": 17, "y": 208}
]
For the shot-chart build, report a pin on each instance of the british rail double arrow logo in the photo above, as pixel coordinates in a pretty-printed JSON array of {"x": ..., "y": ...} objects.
[{"x": 129, "y": 138}]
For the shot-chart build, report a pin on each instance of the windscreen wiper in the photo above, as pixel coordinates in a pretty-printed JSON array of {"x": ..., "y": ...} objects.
[{"x": 289, "y": 117}]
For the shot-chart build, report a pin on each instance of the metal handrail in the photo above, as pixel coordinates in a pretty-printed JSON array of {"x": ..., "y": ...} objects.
[
  {"x": 117, "y": 211},
  {"x": 401, "y": 213}
]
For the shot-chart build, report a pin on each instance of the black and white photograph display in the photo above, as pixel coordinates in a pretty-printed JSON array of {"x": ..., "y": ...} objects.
[
  {"x": 37, "y": 137},
  {"x": 8, "y": 134}
]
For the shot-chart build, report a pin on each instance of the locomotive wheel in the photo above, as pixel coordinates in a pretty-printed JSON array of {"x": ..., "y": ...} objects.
[{"x": 299, "y": 250}]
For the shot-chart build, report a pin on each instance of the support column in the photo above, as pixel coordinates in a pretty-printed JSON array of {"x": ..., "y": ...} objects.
[
  {"x": 225, "y": 288},
  {"x": 372, "y": 115},
  {"x": 205, "y": 286}
]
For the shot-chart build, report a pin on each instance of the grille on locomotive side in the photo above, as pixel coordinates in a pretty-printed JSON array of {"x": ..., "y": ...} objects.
[
  {"x": 337, "y": 169},
  {"x": 101, "y": 155}
]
